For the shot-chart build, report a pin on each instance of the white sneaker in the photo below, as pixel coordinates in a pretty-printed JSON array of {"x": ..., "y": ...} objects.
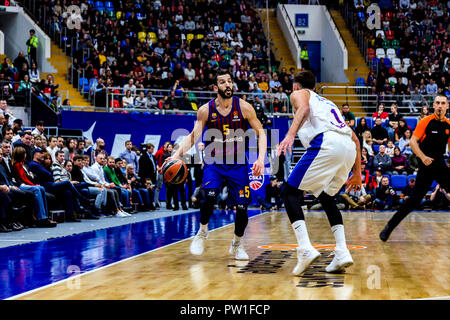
[
  {"x": 237, "y": 249},
  {"x": 125, "y": 213},
  {"x": 305, "y": 258},
  {"x": 198, "y": 244},
  {"x": 342, "y": 259},
  {"x": 121, "y": 214}
]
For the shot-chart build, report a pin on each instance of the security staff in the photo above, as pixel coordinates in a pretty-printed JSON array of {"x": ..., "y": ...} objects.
[
  {"x": 304, "y": 58},
  {"x": 32, "y": 44},
  {"x": 428, "y": 142}
]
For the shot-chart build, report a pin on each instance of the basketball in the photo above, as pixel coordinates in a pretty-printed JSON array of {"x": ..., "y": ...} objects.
[{"x": 175, "y": 171}]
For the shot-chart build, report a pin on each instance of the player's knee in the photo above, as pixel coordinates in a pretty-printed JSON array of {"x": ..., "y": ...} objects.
[
  {"x": 211, "y": 196},
  {"x": 289, "y": 190}
]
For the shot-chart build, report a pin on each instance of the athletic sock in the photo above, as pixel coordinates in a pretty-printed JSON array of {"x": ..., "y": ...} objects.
[
  {"x": 301, "y": 234},
  {"x": 339, "y": 235},
  {"x": 236, "y": 239},
  {"x": 204, "y": 227}
]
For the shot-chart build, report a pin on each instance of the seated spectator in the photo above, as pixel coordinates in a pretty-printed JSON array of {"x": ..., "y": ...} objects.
[
  {"x": 379, "y": 133},
  {"x": 110, "y": 175},
  {"x": 392, "y": 122},
  {"x": 128, "y": 100},
  {"x": 358, "y": 199},
  {"x": 402, "y": 127},
  {"x": 399, "y": 163},
  {"x": 408, "y": 191},
  {"x": 152, "y": 103},
  {"x": 97, "y": 175},
  {"x": 440, "y": 199},
  {"x": 349, "y": 117},
  {"x": 383, "y": 160},
  {"x": 273, "y": 199},
  {"x": 23, "y": 177},
  {"x": 141, "y": 101},
  {"x": 385, "y": 195},
  {"x": 361, "y": 128},
  {"x": 390, "y": 148},
  {"x": 365, "y": 174},
  {"x": 380, "y": 113},
  {"x": 367, "y": 142},
  {"x": 424, "y": 112},
  {"x": 144, "y": 188},
  {"x": 34, "y": 74},
  {"x": 25, "y": 142},
  {"x": 404, "y": 141}
]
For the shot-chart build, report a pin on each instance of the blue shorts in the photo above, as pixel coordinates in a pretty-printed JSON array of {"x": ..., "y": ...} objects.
[{"x": 235, "y": 176}]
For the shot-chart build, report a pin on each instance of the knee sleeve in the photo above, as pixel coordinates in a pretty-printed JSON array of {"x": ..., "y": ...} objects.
[
  {"x": 293, "y": 200},
  {"x": 329, "y": 206},
  {"x": 241, "y": 220},
  {"x": 207, "y": 207}
]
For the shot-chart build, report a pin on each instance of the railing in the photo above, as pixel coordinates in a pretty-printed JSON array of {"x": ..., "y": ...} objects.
[{"x": 285, "y": 12}]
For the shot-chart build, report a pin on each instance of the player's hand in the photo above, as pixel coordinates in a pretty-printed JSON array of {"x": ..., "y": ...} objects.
[
  {"x": 258, "y": 168},
  {"x": 353, "y": 183},
  {"x": 427, "y": 160},
  {"x": 287, "y": 142}
]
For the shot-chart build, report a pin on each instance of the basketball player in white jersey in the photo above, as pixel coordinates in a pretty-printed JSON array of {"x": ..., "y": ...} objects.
[{"x": 332, "y": 150}]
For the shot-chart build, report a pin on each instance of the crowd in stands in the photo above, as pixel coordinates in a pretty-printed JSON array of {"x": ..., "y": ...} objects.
[
  {"x": 18, "y": 78},
  {"x": 389, "y": 165},
  {"x": 409, "y": 55},
  {"x": 41, "y": 175},
  {"x": 170, "y": 45}
]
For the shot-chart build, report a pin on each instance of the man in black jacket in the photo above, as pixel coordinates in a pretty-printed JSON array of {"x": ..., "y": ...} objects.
[{"x": 147, "y": 164}]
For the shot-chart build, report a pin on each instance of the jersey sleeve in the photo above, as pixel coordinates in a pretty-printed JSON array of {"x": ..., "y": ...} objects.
[{"x": 419, "y": 132}]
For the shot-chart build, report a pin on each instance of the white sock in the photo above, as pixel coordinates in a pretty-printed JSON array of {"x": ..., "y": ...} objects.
[
  {"x": 236, "y": 239},
  {"x": 204, "y": 227},
  {"x": 301, "y": 234},
  {"x": 339, "y": 235}
]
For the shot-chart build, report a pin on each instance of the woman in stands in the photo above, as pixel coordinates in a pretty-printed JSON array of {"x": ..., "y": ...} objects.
[
  {"x": 424, "y": 112},
  {"x": 128, "y": 100},
  {"x": 403, "y": 143},
  {"x": 34, "y": 74},
  {"x": 365, "y": 156},
  {"x": 361, "y": 128},
  {"x": 399, "y": 163},
  {"x": 400, "y": 131},
  {"x": 367, "y": 142},
  {"x": 24, "y": 177}
]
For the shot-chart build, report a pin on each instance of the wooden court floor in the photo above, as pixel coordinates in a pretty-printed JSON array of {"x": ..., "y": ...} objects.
[{"x": 414, "y": 264}]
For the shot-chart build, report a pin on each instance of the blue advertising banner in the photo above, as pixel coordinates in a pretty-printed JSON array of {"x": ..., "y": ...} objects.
[{"x": 116, "y": 128}]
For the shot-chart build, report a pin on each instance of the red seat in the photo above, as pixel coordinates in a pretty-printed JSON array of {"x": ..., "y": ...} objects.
[
  {"x": 392, "y": 71},
  {"x": 370, "y": 53},
  {"x": 390, "y": 35}
]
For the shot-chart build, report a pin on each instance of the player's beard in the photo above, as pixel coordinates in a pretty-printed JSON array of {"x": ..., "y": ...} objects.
[{"x": 224, "y": 94}]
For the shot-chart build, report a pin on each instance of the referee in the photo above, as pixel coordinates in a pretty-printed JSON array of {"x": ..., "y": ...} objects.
[{"x": 428, "y": 142}]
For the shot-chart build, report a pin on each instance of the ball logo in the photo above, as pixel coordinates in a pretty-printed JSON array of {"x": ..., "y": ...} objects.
[{"x": 255, "y": 182}]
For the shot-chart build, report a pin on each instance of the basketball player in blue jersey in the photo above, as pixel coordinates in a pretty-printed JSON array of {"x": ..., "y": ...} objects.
[
  {"x": 227, "y": 119},
  {"x": 332, "y": 150}
]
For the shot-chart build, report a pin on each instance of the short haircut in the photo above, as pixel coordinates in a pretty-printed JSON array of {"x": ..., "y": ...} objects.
[
  {"x": 85, "y": 156},
  {"x": 412, "y": 180},
  {"x": 441, "y": 94},
  {"x": 128, "y": 141},
  {"x": 117, "y": 160},
  {"x": 58, "y": 152},
  {"x": 150, "y": 145},
  {"x": 40, "y": 123},
  {"x": 111, "y": 158},
  {"x": 306, "y": 79},
  {"x": 24, "y": 133},
  {"x": 219, "y": 73},
  {"x": 77, "y": 157}
]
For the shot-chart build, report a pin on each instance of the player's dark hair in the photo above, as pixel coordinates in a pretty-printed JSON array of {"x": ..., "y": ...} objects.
[
  {"x": 306, "y": 79},
  {"x": 441, "y": 94},
  {"x": 221, "y": 72}
]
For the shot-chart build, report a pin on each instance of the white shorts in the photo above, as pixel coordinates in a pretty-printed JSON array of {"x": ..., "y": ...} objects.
[{"x": 326, "y": 164}]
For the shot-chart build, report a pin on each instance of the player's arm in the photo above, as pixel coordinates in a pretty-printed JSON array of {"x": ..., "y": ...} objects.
[
  {"x": 355, "y": 181},
  {"x": 249, "y": 113},
  {"x": 196, "y": 133},
  {"x": 300, "y": 103}
]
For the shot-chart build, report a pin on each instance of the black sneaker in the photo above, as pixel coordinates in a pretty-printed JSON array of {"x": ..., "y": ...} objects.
[
  {"x": 385, "y": 233},
  {"x": 4, "y": 229},
  {"x": 45, "y": 223}
]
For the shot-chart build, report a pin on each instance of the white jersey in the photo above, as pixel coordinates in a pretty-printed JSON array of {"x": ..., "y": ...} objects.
[{"x": 324, "y": 116}]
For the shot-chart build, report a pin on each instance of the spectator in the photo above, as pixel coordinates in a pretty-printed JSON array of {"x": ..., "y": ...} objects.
[
  {"x": 25, "y": 142},
  {"x": 69, "y": 151},
  {"x": 367, "y": 158},
  {"x": 424, "y": 112},
  {"x": 385, "y": 195},
  {"x": 402, "y": 127},
  {"x": 35, "y": 77},
  {"x": 440, "y": 199},
  {"x": 152, "y": 103},
  {"x": 128, "y": 100},
  {"x": 380, "y": 113},
  {"x": 39, "y": 129},
  {"x": 349, "y": 117},
  {"x": 144, "y": 188},
  {"x": 367, "y": 142},
  {"x": 392, "y": 124},
  {"x": 383, "y": 160},
  {"x": 23, "y": 176},
  {"x": 273, "y": 199},
  {"x": 129, "y": 155},
  {"x": 361, "y": 128},
  {"x": 399, "y": 163},
  {"x": 408, "y": 191},
  {"x": 379, "y": 134},
  {"x": 404, "y": 141},
  {"x": 432, "y": 88},
  {"x": 52, "y": 148},
  {"x": 390, "y": 148},
  {"x": 110, "y": 175},
  {"x": 358, "y": 199}
]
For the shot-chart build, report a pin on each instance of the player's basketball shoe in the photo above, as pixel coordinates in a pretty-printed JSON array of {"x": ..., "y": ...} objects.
[
  {"x": 385, "y": 233},
  {"x": 342, "y": 259},
  {"x": 305, "y": 258},
  {"x": 237, "y": 249},
  {"x": 198, "y": 244}
]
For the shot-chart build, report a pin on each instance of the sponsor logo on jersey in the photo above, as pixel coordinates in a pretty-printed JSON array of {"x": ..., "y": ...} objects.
[{"x": 255, "y": 182}]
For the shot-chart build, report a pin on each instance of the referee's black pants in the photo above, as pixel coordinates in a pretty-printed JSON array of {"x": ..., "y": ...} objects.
[{"x": 438, "y": 171}]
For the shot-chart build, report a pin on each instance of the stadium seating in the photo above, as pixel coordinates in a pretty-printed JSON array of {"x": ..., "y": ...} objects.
[{"x": 398, "y": 182}]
